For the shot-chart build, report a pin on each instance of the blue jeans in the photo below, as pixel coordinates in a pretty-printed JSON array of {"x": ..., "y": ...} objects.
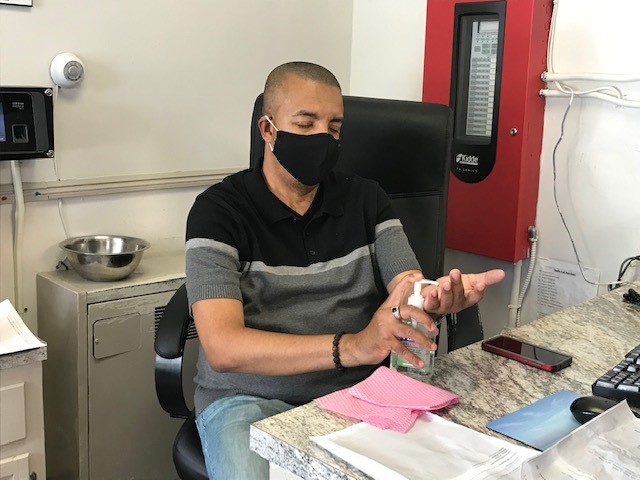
[{"x": 224, "y": 433}]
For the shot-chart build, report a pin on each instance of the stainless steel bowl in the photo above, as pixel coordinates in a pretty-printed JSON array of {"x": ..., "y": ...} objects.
[{"x": 104, "y": 258}]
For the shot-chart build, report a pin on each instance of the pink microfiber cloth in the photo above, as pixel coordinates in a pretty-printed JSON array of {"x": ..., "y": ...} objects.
[
  {"x": 343, "y": 403},
  {"x": 388, "y": 388},
  {"x": 388, "y": 399}
]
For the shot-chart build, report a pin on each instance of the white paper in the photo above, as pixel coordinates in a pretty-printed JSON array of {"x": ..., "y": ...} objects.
[
  {"x": 432, "y": 448},
  {"x": 605, "y": 448},
  {"x": 25, "y": 3},
  {"x": 560, "y": 285},
  {"x": 14, "y": 334}
]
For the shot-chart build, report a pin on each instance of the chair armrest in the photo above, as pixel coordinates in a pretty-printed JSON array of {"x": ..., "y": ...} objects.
[
  {"x": 174, "y": 326},
  {"x": 171, "y": 336}
]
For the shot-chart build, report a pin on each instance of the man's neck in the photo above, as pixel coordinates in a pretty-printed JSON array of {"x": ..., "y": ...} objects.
[{"x": 293, "y": 194}]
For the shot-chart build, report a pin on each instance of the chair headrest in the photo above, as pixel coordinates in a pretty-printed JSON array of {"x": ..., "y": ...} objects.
[{"x": 398, "y": 143}]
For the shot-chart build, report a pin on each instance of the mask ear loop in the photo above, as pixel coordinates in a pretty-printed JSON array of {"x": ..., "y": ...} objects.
[{"x": 272, "y": 124}]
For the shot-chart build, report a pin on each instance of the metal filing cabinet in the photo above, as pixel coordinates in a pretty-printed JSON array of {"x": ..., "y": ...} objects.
[{"x": 102, "y": 417}]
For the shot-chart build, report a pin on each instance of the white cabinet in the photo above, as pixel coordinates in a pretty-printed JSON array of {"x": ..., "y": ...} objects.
[
  {"x": 102, "y": 417},
  {"x": 22, "y": 445}
]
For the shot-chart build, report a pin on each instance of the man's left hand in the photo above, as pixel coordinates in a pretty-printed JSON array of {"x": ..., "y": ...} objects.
[{"x": 458, "y": 291}]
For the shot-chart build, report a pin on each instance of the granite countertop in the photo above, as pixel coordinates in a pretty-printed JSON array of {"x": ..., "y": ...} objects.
[
  {"x": 596, "y": 334},
  {"x": 18, "y": 359}
]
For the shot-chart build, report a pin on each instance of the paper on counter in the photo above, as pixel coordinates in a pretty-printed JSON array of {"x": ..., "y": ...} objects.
[
  {"x": 607, "y": 448},
  {"x": 433, "y": 448},
  {"x": 14, "y": 334}
]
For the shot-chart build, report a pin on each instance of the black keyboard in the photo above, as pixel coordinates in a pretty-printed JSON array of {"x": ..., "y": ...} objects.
[{"x": 622, "y": 382}]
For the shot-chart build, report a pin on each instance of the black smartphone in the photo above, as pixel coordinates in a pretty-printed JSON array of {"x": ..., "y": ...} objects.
[{"x": 527, "y": 353}]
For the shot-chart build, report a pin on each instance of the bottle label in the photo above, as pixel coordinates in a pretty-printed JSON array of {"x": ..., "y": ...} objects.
[{"x": 414, "y": 348}]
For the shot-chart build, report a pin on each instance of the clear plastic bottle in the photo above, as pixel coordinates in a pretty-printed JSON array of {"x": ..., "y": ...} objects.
[{"x": 400, "y": 364}]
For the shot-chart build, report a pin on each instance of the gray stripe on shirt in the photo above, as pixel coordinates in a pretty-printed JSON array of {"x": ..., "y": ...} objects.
[
  {"x": 314, "y": 268},
  {"x": 209, "y": 243},
  {"x": 393, "y": 222}
]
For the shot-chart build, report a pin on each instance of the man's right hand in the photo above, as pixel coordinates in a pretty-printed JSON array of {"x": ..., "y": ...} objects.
[{"x": 382, "y": 336}]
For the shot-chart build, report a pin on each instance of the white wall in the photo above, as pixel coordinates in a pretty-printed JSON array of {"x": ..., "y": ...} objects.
[
  {"x": 169, "y": 87},
  {"x": 600, "y": 147},
  {"x": 598, "y": 160},
  {"x": 388, "y": 48}
]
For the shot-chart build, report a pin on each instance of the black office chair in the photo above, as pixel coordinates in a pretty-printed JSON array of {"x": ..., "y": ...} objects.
[
  {"x": 405, "y": 146},
  {"x": 174, "y": 328}
]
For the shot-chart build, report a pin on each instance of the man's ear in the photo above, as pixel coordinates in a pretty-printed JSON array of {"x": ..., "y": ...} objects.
[{"x": 266, "y": 130}]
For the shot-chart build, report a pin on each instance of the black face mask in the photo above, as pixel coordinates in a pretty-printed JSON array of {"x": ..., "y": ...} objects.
[{"x": 308, "y": 158}]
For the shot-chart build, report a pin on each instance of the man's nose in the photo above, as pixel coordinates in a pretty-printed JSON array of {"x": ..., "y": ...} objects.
[{"x": 327, "y": 128}]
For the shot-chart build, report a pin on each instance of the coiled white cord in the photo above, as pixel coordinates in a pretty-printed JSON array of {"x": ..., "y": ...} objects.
[{"x": 533, "y": 238}]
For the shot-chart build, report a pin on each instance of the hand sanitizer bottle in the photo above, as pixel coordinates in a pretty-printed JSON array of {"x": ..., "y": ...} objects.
[{"x": 400, "y": 364}]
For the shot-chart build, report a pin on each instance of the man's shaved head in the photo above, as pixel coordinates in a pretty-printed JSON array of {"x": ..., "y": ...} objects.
[{"x": 308, "y": 71}]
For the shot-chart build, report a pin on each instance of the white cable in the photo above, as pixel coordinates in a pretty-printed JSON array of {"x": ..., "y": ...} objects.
[
  {"x": 555, "y": 197},
  {"x": 568, "y": 90},
  {"x": 607, "y": 98},
  {"x": 595, "y": 77},
  {"x": 18, "y": 233},
  {"x": 64, "y": 225},
  {"x": 55, "y": 168},
  {"x": 55, "y": 165},
  {"x": 55, "y": 103}
]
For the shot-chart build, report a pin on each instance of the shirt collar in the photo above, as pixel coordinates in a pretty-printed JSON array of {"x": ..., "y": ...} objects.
[{"x": 273, "y": 210}]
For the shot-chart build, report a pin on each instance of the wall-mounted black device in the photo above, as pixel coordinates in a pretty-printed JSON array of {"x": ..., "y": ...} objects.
[
  {"x": 475, "y": 87},
  {"x": 26, "y": 123}
]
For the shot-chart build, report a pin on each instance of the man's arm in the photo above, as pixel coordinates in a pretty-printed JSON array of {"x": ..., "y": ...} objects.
[{"x": 230, "y": 346}]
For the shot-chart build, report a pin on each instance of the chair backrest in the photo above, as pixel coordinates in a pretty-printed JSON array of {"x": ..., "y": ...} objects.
[{"x": 404, "y": 146}]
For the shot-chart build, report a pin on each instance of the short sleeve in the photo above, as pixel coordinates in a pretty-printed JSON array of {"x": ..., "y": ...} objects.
[
  {"x": 212, "y": 259},
  {"x": 393, "y": 252}
]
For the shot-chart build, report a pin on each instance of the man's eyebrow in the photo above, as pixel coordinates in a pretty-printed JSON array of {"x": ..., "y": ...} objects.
[
  {"x": 315, "y": 116},
  {"x": 306, "y": 113}
]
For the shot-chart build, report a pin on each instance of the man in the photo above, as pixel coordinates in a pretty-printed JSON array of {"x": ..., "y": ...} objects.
[{"x": 283, "y": 263}]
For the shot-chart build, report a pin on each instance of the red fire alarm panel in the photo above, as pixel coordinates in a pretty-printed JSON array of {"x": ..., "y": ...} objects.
[{"x": 484, "y": 59}]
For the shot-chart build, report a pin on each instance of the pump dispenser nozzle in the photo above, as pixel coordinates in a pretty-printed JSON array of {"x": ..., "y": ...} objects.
[{"x": 416, "y": 299}]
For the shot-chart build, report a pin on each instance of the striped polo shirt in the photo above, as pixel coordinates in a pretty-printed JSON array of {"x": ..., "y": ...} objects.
[{"x": 320, "y": 273}]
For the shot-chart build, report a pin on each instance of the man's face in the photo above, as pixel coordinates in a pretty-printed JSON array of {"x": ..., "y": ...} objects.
[{"x": 306, "y": 107}]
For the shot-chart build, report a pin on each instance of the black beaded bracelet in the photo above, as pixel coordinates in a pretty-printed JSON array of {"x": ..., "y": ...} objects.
[{"x": 336, "y": 351}]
